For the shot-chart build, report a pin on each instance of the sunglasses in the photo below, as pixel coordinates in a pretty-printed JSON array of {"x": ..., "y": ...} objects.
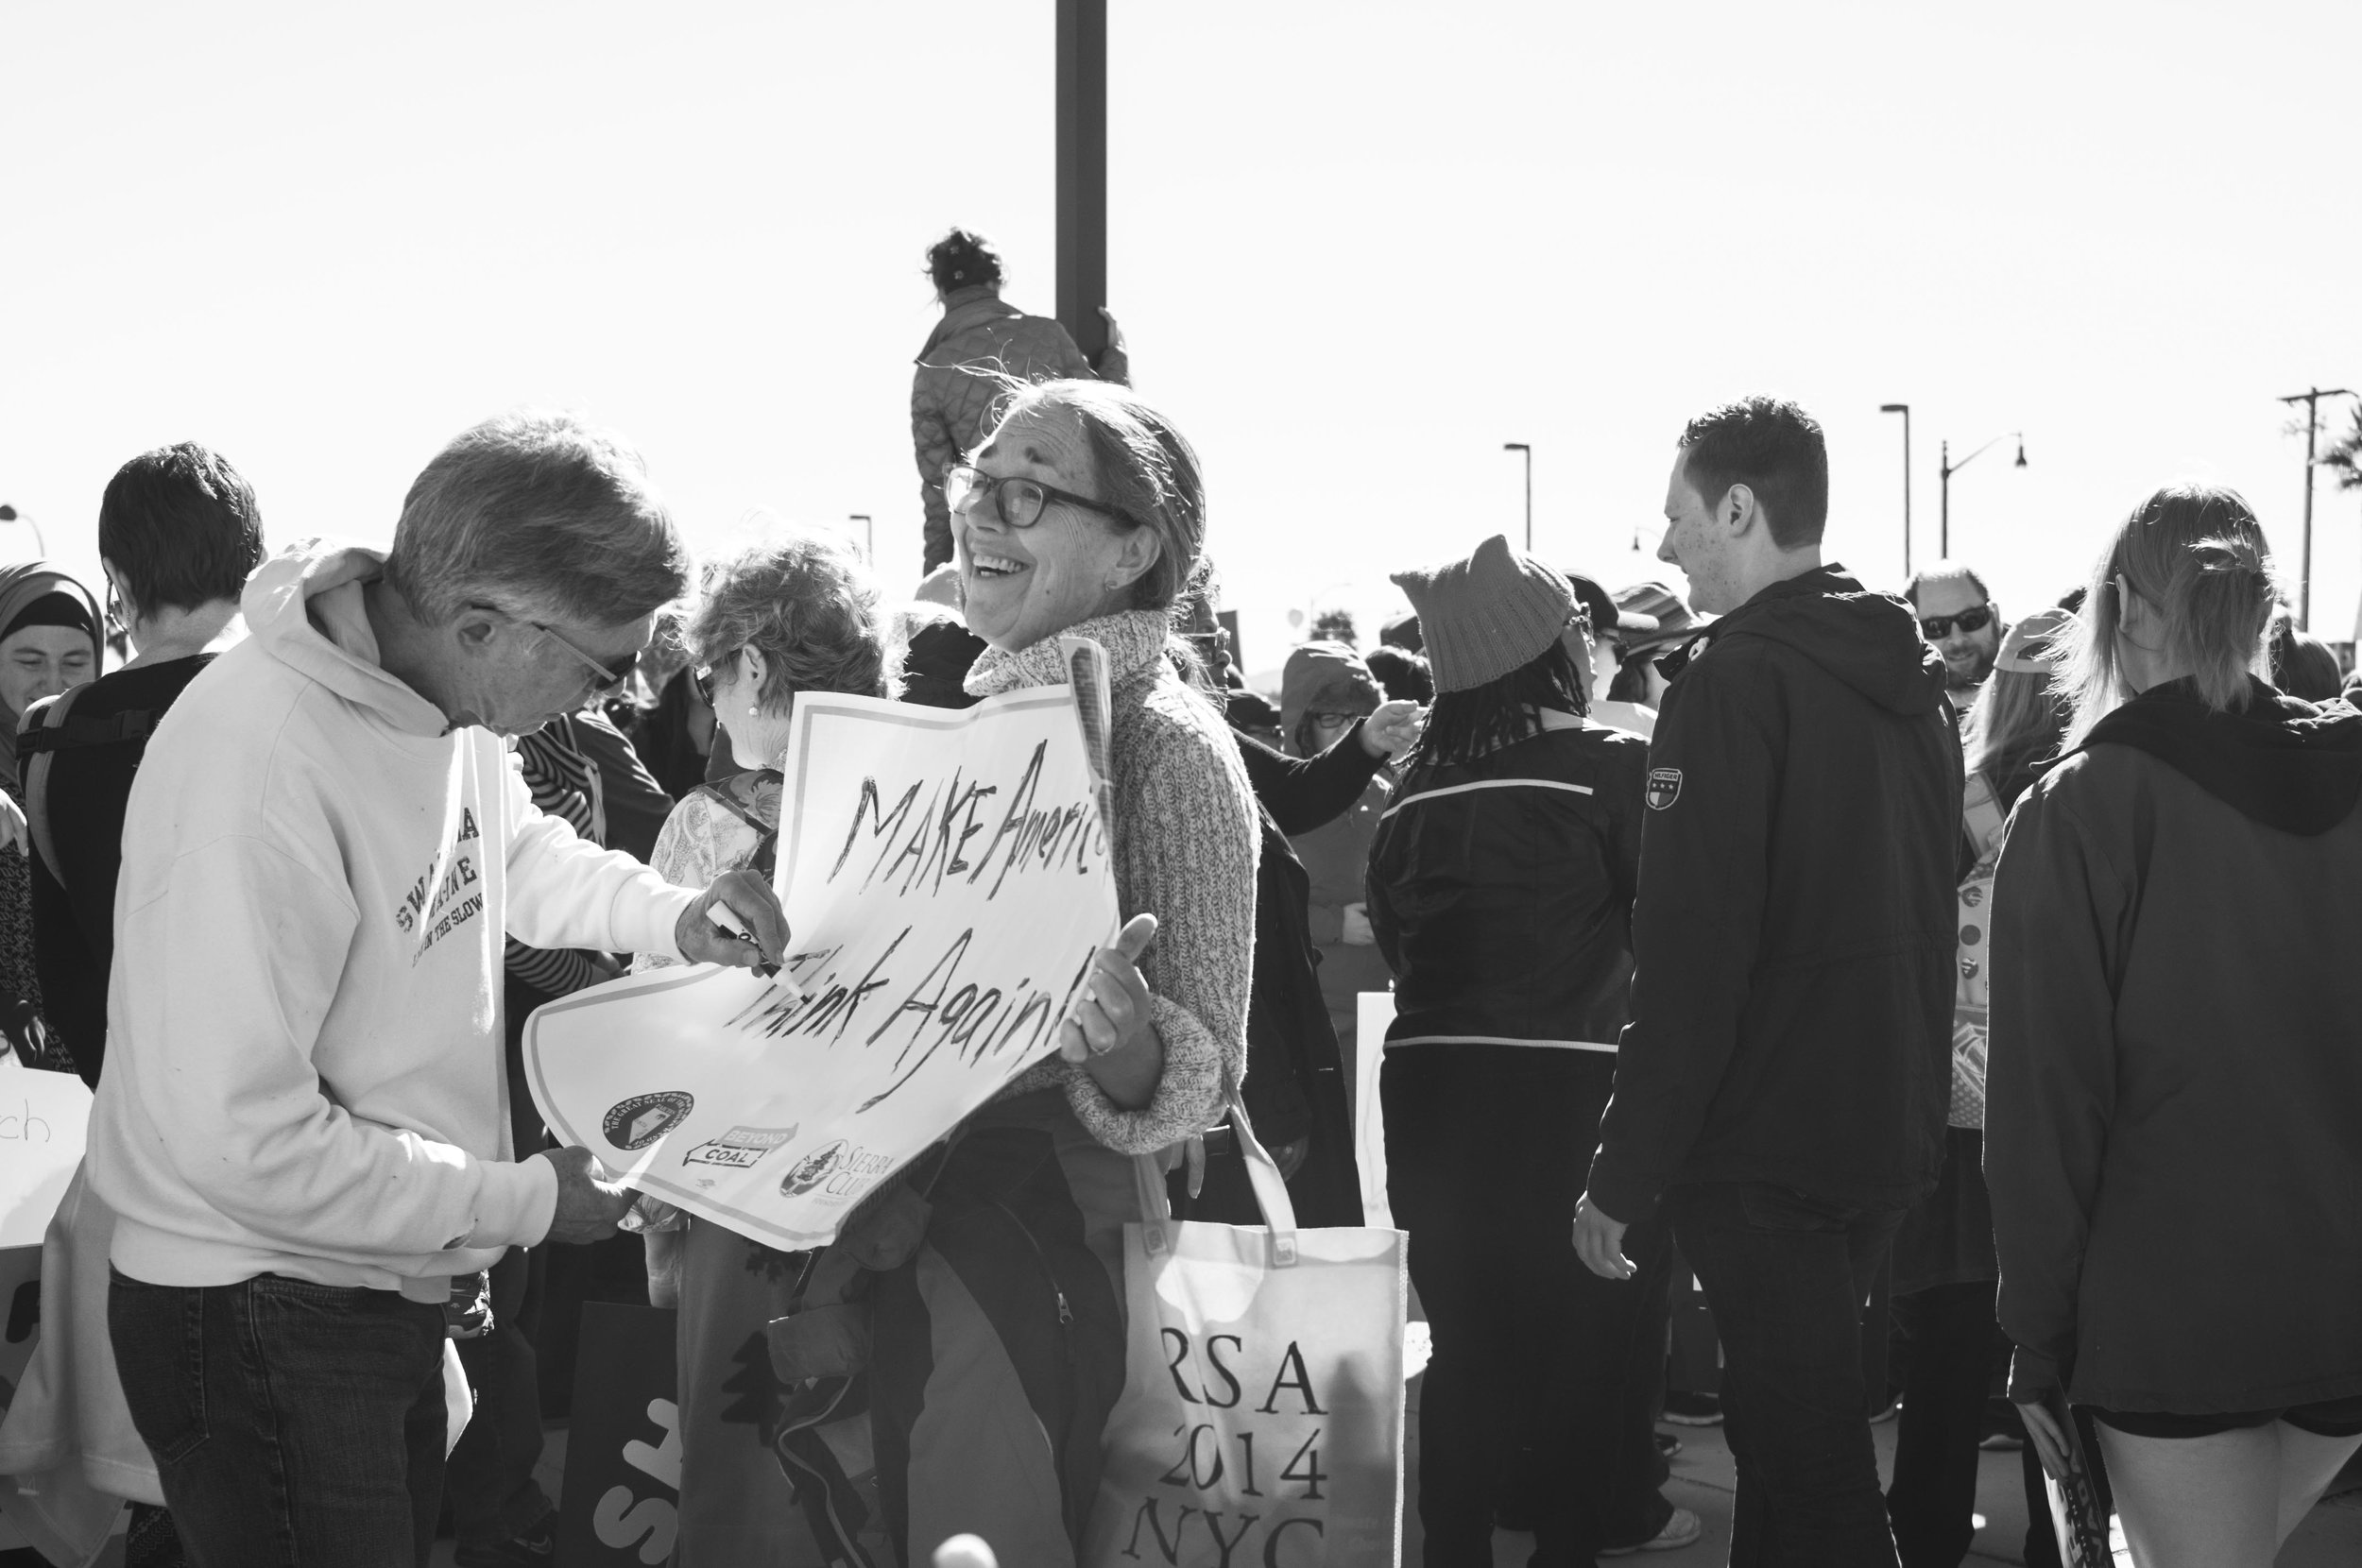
[
  {"x": 701, "y": 677},
  {"x": 606, "y": 679},
  {"x": 1973, "y": 618},
  {"x": 1019, "y": 503}
]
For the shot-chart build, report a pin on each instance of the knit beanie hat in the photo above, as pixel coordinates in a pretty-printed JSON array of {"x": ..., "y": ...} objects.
[{"x": 1489, "y": 615}]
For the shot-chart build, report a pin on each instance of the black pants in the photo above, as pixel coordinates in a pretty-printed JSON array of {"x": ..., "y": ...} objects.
[
  {"x": 1787, "y": 1275},
  {"x": 1525, "y": 1400},
  {"x": 1947, "y": 1331},
  {"x": 488, "y": 1485}
]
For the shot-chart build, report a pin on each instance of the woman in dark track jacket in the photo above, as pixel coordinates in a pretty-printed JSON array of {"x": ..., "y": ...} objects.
[
  {"x": 1500, "y": 889},
  {"x": 2173, "y": 1125}
]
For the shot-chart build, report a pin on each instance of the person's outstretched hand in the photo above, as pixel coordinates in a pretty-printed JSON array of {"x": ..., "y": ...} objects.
[
  {"x": 748, "y": 898},
  {"x": 1392, "y": 728},
  {"x": 1109, "y": 1032},
  {"x": 1599, "y": 1242},
  {"x": 588, "y": 1207}
]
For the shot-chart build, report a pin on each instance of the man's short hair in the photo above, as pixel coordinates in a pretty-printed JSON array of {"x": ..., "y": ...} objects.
[
  {"x": 1775, "y": 448},
  {"x": 1944, "y": 571},
  {"x": 539, "y": 508},
  {"x": 181, "y": 527}
]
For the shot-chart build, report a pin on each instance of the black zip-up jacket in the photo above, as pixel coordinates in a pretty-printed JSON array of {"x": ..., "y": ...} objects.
[
  {"x": 1500, "y": 892},
  {"x": 2173, "y": 1120},
  {"x": 1798, "y": 918}
]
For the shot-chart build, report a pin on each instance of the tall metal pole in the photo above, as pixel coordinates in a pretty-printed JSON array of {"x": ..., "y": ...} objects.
[
  {"x": 870, "y": 537},
  {"x": 1082, "y": 173},
  {"x": 1520, "y": 445},
  {"x": 1904, "y": 409},
  {"x": 2311, "y": 399},
  {"x": 1943, "y": 527}
]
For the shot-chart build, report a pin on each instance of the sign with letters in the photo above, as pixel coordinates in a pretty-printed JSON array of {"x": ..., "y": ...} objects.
[
  {"x": 946, "y": 878},
  {"x": 44, "y": 1118}
]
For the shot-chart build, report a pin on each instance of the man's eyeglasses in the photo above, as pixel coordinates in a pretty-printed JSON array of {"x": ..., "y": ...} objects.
[
  {"x": 606, "y": 678},
  {"x": 1018, "y": 502},
  {"x": 1973, "y": 618}
]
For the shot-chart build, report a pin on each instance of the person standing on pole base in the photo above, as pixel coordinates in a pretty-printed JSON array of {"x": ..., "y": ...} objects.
[{"x": 1782, "y": 1084}]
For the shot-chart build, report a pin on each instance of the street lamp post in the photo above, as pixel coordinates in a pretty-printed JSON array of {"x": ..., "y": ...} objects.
[
  {"x": 1904, "y": 409},
  {"x": 869, "y": 538},
  {"x": 1520, "y": 445},
  {"x": 1946, "y": 468},
  {"x": 2311, "y": 399}
]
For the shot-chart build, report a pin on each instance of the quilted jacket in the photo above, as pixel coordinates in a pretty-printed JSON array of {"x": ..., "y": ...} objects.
[{"x": 979, "y": 332}]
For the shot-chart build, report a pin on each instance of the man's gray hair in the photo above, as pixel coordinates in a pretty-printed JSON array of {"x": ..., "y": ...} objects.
[{"x": 541, "y": 509}]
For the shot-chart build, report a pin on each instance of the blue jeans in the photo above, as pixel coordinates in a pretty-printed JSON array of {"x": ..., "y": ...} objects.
[
  {"x": 292, "y": 1423},
  {"x": 1787, "y": 1275}
]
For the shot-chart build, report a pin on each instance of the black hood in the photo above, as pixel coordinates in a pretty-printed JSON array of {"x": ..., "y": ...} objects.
[
  {"x": 1868, "y": 640},
  {"x": 2281, "y": 761}
]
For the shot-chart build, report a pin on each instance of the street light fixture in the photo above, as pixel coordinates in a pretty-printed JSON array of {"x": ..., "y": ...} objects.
[
  {"x": 1946, "y": 468},
  {"x": 2311, "y": 399},
  {"x": 1904, "y": 409},
  {"x": 1520, "y": 445},
  {"x": 869, "y": 538},
  {"x": 9, "y": 514}
]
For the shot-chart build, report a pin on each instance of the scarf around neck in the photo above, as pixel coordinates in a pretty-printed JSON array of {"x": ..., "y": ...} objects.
[{"x": 1135, "y": 641}]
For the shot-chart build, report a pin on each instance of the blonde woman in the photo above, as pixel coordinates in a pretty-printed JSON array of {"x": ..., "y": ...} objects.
[{"x": 2173, "y": 1127}]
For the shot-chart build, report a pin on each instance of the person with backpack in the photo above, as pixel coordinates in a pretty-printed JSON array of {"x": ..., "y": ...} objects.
[
  {"x": 2173, "y": 1113},
  {"x": 1944, "y": 1270},
  {"x": 178, "y": 533}
]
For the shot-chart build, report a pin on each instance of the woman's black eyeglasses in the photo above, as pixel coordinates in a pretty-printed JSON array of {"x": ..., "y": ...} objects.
[
  {"x": 1019, "y": 501},
  {"x": 1973, "y": 618}
]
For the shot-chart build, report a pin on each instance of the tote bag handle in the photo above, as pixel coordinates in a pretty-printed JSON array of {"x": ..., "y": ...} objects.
[{"x": 1271, "y": 1189}]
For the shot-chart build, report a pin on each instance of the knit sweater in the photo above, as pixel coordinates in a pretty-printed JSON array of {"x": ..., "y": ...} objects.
[{"x": 1186, "y": 842}]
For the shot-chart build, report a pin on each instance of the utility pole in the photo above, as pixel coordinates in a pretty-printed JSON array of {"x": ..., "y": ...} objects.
[
  {"x": 2311, "y": 399},
  {"x": 1082, "y": 173},
  {"x": 1520, "y": 445},
  {"x": 1945, "y": 469},
  {"x": 1904, "y": 409}
]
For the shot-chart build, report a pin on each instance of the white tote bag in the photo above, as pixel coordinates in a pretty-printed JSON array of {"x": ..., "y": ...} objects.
[{"x": 1261, "y": 1417}]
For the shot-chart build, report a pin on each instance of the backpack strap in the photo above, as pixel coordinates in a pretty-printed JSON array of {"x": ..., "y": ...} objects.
[
  {"x": 38, "y": 736},
  {"x": 1982, "y": 815}
]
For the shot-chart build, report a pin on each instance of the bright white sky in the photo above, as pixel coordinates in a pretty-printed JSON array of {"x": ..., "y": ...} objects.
[{"x": 1355, "y": 246}]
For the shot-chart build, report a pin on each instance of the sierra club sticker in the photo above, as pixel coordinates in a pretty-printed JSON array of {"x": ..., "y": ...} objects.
[
  {"x": 637, "y": 1123},
  {"x": 814, "y": 1168},
  {"x": 1665, "y": 787}
]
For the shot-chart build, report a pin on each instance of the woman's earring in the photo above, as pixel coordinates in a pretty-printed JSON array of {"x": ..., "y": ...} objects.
[{"x": 754, "y": 710}]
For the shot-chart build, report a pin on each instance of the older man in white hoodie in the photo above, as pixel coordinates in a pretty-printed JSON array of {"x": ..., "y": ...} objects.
[{"x": 303, "y": 1122}]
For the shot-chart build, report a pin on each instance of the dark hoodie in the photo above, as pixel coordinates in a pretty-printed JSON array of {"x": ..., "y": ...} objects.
[
  {"x": 2173, "y": 1121},
  {"x": 1797, "y": 916}
]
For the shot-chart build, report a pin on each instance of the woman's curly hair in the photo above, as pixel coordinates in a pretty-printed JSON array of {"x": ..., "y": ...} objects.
[{"x": 807, "y": 603}]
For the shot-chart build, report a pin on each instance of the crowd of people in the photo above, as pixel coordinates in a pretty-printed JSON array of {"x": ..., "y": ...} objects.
[{"x": 1914, "y": 978}]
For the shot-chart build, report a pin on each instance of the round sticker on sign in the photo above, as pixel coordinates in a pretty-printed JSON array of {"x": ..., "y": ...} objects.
[
  {"x": 811, "y": 1170},
  {"x": 637, "y": 1123},
  {"x": 1665, "y": 787}
]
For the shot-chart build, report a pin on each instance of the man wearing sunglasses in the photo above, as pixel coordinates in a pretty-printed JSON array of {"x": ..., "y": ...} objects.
[
  {"x": 1958, "y": 618},
  {"x": 301, "y": 1125}
]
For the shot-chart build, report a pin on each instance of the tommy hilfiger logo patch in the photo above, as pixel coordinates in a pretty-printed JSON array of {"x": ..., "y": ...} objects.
[{"x": 1665, "y": 787}]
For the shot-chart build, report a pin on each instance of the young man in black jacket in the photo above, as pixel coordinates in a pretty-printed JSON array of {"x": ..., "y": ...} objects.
[{"x": 1782, "y": 1085}]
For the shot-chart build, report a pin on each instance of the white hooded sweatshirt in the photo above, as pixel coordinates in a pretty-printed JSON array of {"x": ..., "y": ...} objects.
[{"x": 304, "y": 1068}]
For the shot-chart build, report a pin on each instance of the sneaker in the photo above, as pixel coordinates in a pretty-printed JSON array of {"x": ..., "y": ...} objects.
[
  {"x": 1686, "y": 1409},
  {"x": 1667, "y": 1444},
  {"x": 533, "y": 1548},
  {"x": 1681, "y": 1530}
]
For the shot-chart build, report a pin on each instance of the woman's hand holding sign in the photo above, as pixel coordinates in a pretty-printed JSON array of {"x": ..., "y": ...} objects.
[{"x": 1109, "y": 1030}]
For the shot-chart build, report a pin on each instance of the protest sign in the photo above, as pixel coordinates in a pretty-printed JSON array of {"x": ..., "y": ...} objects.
[
  {"x": 44, "y": 1118},
  {"x": 946, "y": 878},
  {"x": 620, "y": 1501}
]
